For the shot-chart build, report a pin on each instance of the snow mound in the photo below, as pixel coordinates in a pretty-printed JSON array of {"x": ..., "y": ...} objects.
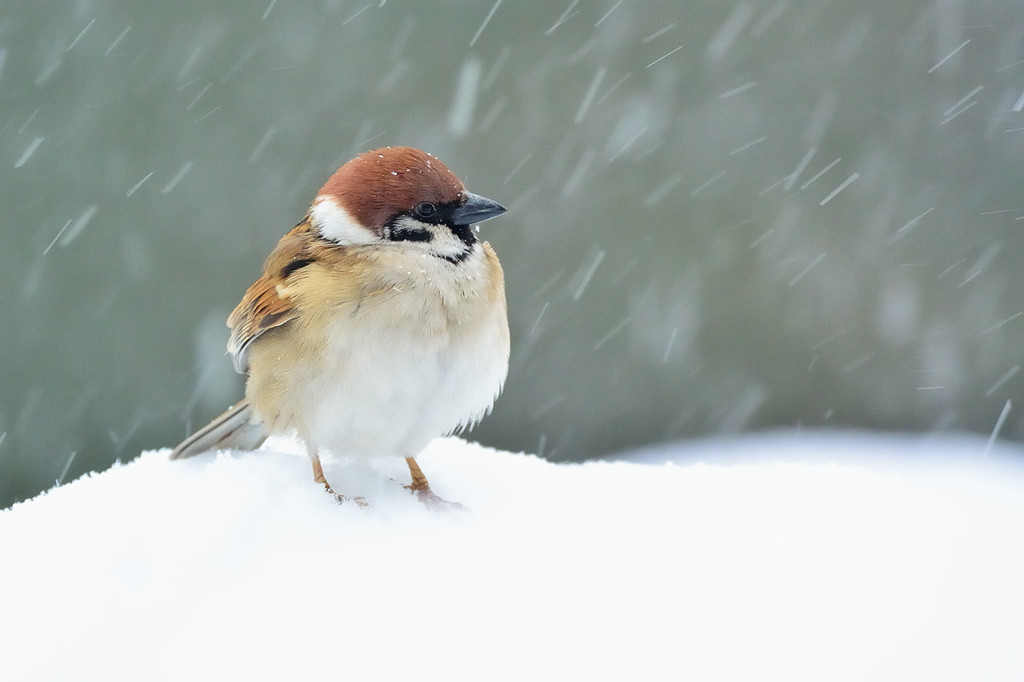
[{"x": 804, "y": 558}]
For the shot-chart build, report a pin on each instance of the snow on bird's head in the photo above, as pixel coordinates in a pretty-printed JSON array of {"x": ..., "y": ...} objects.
[{"x": 381, "y": 183}]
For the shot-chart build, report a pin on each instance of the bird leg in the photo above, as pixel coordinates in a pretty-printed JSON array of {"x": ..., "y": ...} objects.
[
  {"x": 318, "y": 476},
  {"x": 421, "y": 487},
  {"x": 318, "y": 471},
  {"x": 419, "y": 481}
]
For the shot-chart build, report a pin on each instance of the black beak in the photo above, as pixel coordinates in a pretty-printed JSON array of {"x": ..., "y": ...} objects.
[{"x": 475, "y": 209}]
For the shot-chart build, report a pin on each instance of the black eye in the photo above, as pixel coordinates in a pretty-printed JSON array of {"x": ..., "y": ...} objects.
[{"x": 425, "y": 210}]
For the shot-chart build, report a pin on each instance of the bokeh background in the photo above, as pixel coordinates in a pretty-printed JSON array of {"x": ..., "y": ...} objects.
[{"x": 724, "y": 216}]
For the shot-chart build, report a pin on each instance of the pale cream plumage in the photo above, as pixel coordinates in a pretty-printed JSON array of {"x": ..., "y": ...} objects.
[{"x": 379, "y": 322}]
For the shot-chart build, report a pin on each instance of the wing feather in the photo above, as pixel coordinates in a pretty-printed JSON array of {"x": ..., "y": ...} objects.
[{"x": 266, "y": 304}]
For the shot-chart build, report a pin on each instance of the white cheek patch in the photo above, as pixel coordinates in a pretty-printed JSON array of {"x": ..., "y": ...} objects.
[{"x": 335, "y": 223}]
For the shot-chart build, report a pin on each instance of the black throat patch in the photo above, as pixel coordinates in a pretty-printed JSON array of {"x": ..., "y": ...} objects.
[
  {"x": 464, "y": 233},
  {"x": 456, "y": 258}
]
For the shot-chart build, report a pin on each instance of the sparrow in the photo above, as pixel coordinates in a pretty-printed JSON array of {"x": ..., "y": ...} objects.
[{"x": 379, "y": 322}]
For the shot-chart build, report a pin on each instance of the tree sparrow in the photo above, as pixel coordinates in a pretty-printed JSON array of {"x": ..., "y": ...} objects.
[{"x": 379, "y": 322}]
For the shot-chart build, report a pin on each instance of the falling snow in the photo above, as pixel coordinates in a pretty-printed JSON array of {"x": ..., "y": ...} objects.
[
  {"x": 950, "y": 55},
  {"x": 698, "y": 201},
  {"x": 177, "y": 178},
  {"x": 588, "y": 99},
  {"x": 135, "y": 188},
  {"x": 29, "y": 151},
  {"x": 839, "y": 188},
  {"x": 71, "y": 233},
  {"x": 464, "y": 103},
  {"x": 587, "y": 275},
  {"x": 483, "y": 25}
]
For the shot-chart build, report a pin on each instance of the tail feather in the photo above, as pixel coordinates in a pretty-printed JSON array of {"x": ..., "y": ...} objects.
[{"x": 232, "y": 430}]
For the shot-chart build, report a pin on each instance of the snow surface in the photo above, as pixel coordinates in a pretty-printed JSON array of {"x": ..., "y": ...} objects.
[{"x": 813, "y": 557}]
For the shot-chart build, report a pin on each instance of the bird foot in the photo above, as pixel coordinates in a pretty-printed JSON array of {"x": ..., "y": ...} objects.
[
  {"x": 421, "y": 487},
  {"x": 432, "y": 499},
  {"x": 323, "y": 481},
  {"x": 359, "y": 501}
]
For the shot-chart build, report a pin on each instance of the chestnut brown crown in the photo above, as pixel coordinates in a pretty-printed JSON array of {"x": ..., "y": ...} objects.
[{"x": 381, "y": 183}]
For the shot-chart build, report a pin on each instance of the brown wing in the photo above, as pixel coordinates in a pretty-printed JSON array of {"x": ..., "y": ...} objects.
[{"x": 267, "y": 304}]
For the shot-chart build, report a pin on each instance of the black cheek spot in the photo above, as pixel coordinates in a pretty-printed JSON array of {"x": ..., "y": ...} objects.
[{"x": 401, "y": 234}]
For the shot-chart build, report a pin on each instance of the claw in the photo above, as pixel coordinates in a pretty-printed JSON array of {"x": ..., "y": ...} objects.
[
  {"x": 359, "y": 501},
  {"x": 421, "y": 488},
  {"x": 318, "y": 476}
]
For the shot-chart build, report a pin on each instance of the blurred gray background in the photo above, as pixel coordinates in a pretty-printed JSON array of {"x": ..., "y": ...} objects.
[{"x": 724, "y": 216}]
